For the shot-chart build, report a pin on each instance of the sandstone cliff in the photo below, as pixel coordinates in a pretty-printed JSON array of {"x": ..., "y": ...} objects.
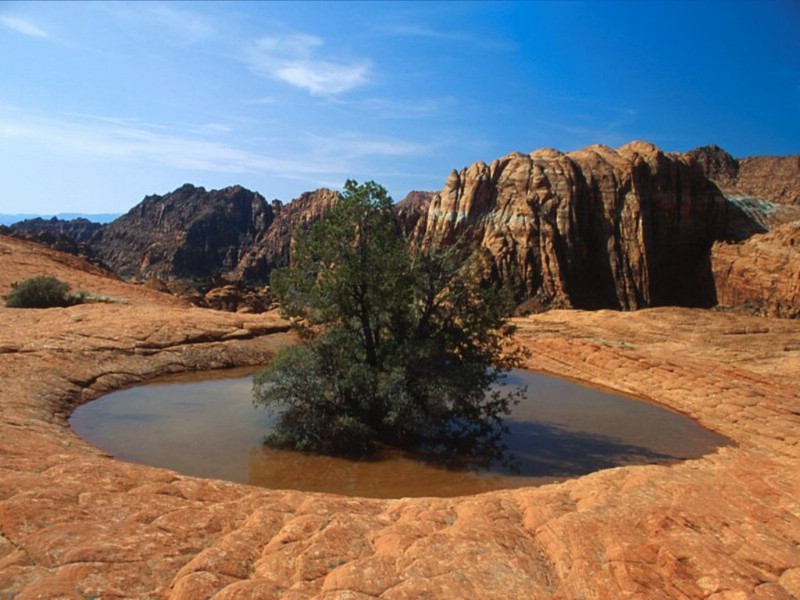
[
  {"x": 271, "y": 247},
  {"x": 599, "y": 228},
  {"x": 772, "y": 178},
  {"x": 762, "y": 273}
]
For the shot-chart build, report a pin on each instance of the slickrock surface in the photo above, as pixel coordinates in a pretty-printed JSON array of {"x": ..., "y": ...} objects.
[{"x": 76, "y": 524}]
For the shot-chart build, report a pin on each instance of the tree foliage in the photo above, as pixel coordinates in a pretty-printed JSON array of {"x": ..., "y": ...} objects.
[{"x": 401, "y": 345}]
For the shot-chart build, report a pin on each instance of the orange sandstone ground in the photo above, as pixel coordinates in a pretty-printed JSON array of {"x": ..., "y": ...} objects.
[{"x": 76, "y": 524}]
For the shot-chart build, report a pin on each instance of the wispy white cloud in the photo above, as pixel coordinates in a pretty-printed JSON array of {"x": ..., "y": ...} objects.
[
  {"x": 23, "y": 26},
  {"x": 355, "y": 145},
  {"x": 454, "y": 36},
  {"x": 206, "y": 147},
  {"x": 261, "y": 100},
  {"x": 428, "y": 32},
  {"x": 173, "y": 21},
  {"x": 211, "y": 128},
  {"x": 389, "y": 108},
  {"x": 181, "y": 21},
  {"x": 294, "y": 59}
]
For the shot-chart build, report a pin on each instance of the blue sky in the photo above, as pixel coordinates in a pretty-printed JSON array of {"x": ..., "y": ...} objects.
[{"x": 104, "y": 103}]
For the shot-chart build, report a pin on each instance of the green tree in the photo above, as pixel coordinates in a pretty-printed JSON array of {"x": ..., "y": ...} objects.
[{"x": 401, "y": 346}]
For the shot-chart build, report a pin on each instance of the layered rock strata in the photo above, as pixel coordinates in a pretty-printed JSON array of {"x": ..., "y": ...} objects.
[
  {"x": 603, "y": 228},
  {"x": 772, "y": 178},
  {"x": 75, "y": 523},
  {"x": 761, "y": 274}
]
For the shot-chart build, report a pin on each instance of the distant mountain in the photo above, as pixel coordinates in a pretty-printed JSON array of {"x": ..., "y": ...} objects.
[
  {"x": 80, "y": 229},
  {"x": 215, "y": 248},
  {"x": 9, "y": 219},
  {"x": 190, "y": 233}
]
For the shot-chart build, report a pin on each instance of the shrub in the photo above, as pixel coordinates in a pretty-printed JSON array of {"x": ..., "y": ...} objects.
[{"x": 44, "y": 291}]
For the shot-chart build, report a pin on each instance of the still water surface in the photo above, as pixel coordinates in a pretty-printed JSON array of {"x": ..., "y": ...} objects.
[{"x": 205, "y": 425}]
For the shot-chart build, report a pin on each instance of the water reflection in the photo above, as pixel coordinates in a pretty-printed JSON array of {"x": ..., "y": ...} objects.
[{"x": 209, "y": 428}]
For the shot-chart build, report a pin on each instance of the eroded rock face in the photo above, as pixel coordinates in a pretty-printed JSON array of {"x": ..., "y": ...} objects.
[
  {"x": 71, "y": 236},
  {"x": 761, "y": 274},
  {"x": 772, "y": 178},
  {"x": 188, "y": 233},
  {"x": 81, "y": 230},
  {"x": 75, "y": 523},
  {"x": 625, "y": 228},
  {"x": 211, "y": 238},
  {"x": 271, "y": 248},
  {"x": 603, "y": 228}
]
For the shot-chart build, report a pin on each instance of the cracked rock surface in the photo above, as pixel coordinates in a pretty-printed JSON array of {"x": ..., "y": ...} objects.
[{"x": 76, "y": 524}]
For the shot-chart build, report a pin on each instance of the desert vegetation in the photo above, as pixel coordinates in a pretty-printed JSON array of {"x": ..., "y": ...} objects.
[
  {"x": 401, "y": 345},
  {"x": 44, "y": 291}
]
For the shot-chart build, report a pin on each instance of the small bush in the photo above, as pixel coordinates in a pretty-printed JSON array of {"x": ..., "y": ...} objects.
[{"x": 44, "y": 291}]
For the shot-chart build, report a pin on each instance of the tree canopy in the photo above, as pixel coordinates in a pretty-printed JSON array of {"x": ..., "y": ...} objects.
[{"x": 401, "y": 345}]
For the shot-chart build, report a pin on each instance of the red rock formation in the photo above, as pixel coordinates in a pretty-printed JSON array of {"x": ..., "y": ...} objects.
[
  {"x": 772, "y": 178},
  {"x": 75, "y": 523},
  {"x": 603, "y": 228},
  {"x": 762, "y": 273},
  {"x": 624, "y": 228},
  {"x": 272, "y": 246},
  {"x": 776, "y": 178}
]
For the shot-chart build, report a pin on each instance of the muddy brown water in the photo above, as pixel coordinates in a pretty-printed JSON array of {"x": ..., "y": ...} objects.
[{"x": 204, "y": 424}]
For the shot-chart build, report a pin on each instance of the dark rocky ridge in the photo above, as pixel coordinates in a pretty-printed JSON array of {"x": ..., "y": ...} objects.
[
  {"x": 81, "y": 230},
  {"x": 189, "y": 233},
  {"x": 72, "y": 236}
]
